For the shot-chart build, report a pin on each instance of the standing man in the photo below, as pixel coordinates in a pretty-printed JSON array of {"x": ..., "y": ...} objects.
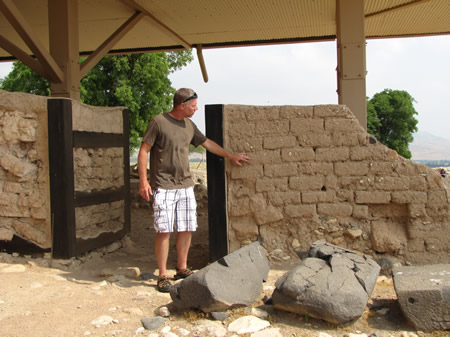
[{"x": 167, "y": 139}]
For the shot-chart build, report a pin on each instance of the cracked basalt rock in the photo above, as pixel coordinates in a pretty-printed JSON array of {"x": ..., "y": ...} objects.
[
  {"x": 332, "y": 284},
  {"x": 232, "y": 281}
]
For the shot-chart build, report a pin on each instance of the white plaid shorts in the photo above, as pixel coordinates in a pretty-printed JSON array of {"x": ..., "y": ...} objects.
[{"x": 175, "y": 206}]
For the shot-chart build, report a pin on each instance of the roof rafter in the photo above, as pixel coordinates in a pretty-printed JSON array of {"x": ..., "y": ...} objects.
[
  {"x": 106, "y": 46},
  {"x": 395, "y": 8},
  {"x": 158, "y": 24},
  {"x": 20, "y": 24}
]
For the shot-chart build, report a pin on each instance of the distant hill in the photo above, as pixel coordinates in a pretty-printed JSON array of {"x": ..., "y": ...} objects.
[{"x": 426, "y": 146}]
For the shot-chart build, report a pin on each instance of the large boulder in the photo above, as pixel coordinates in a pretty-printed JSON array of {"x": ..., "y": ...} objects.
[
  {"x": 424, "y": 295},
  {"x": 332, "y": 284},
  {"x": 234, "y": 280}
]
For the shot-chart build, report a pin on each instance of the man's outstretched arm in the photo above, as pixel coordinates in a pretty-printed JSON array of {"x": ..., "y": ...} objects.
[{"x": 215, "y": 148}]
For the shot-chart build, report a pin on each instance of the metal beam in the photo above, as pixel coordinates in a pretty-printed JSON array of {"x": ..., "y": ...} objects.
[
  {"x": 158, "y": 24},
  {"x": 106, "y": 46},
  {"x": 351, "y": 52},
  {"x": 13, "y": 15}
]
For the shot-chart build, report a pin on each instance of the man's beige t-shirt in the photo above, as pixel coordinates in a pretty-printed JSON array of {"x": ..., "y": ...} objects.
[{"x": 169, "y": 139}]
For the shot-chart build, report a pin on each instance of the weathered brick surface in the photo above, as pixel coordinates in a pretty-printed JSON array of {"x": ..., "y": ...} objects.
[
  {"x": 24, "y": 169},
  {"x": 316, "y": 174}
]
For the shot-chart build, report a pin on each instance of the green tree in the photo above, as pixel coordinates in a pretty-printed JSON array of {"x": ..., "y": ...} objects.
[
  {"x": 394, "y": 122},
  {"x": 137, "y": 81}
]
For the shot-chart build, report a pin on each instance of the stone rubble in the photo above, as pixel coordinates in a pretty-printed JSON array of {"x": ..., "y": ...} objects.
[{"x": 254, "y": 321}]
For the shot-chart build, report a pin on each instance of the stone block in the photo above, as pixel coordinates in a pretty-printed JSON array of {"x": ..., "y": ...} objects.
[
  {"x": 301, "y": 211},
  {"x": 246, "y": 171},
  {"x": 332, "y": 154},
  {"x": 407, "y": 197},
  {"x": 335, "y": 209},
  {"x": 270, "y": 214},
  {"x": 351, "y": 168},
  {"x": 424, "y": 295},
  {"x": 341, "y": 111},
  {"x": 266, "y": 157},
  {"x": 372, "y": 197},
  {"x": 258, "y": 113},
  {"x": 310, "y": 138},
  {"x": 348, "y": 138},
  {"x": 284, "y": 198},
  {"x": 360, "y": 211},
  {"x": 343, "y": 124},
  {"x": 392, "y": 183},
  {"x": 245, "y": 228},
  {"x": 232, "y": 281},
  {"x": 305, "y": 183},
  {"x": 280, "y": 170},
  {"x": 298, "y": 154},
  {"x": 332, "y": 284},
  {"x": 388, "y": 237},
  {"x": 279, "y": 127},
  {"x": 299, "y": 126},
  {"x": 317, "y": 197},
  {"x": 23, "y": 170},
  {"x": 271, "y": 185},
  {"x": 295, "y": 111},
  {"x": 369, "y": 152},
  {"x": 279, "y": 142}
]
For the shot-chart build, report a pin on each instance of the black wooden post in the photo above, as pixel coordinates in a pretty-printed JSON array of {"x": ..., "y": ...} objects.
[
  {"x": 60, "y": 148},
  {"x": 217, "y": 208}
]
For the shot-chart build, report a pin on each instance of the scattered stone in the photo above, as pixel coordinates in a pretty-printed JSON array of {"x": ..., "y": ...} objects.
[
  {"x": 102, "y": 320},
  {"x": 208, "y": 328},
  {"x": 14, "y": 268},
  {"x": 219, "y": 316},
  {"x": 247, "y": 324},
  {"x": 133, "y": 311},
  {"x": 270, "y": 332},
  {"x": 385, "y": 265},
  {"x": 234, "y": 280},
  {"x": 147, "y": 276},
  {"x": 259, "y": 313},
  {"x": 164, "y": 312},
  {"x": 36, "y": 285},
  {"x": 353, "y": 233},
  {"x": 323, "y": 334},
  {"x": 153, "y": 323},
  {"x": 339, "y": 279},
  {"x": 424, "y": 295}
]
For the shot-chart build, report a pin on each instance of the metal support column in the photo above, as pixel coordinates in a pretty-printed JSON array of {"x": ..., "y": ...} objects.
[{"x": 351, "y": 55}]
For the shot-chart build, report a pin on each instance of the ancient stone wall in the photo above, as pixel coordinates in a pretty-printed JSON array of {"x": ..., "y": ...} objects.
[
  {"x": 24, "y": 169},
  {"x": 316, "y": 174},
  {"x": 24, "y": 175},
  {"x": 97, "y": 169}
]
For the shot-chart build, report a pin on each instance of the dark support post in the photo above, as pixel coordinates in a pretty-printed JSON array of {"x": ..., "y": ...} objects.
[
  {"x": 60, "y": 145},
  {"x": 217, "y": 208}
]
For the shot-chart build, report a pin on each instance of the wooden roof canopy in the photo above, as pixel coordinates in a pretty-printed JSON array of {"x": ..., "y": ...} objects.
[{"x": 49, "y": 35}]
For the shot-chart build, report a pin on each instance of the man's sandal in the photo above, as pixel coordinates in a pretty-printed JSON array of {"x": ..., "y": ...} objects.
[
  {"x": 183, "y": 273},
  {"x": 164, "y": 284}
]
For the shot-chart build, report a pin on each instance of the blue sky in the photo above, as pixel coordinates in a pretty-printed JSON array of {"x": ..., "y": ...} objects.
[{"x": 305, "y": 74}]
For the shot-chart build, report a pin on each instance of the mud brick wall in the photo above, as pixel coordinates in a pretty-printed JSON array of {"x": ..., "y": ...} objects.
[
  {"x": 316, "y": 174},
  {"x": 24, "y": 175}
]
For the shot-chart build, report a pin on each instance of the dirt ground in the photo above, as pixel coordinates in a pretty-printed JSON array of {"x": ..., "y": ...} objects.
[{"x": 44, "y": 297}]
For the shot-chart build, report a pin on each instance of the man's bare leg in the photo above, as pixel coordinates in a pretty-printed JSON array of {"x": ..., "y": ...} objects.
[
  {"x": 162, "y": 252},
  {"x": 183, "y": 245}
]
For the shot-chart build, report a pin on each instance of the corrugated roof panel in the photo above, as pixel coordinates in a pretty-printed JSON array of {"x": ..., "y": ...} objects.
[
  {"x": 429, "y": 17},
  {"x": 215, "y": 21}
]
